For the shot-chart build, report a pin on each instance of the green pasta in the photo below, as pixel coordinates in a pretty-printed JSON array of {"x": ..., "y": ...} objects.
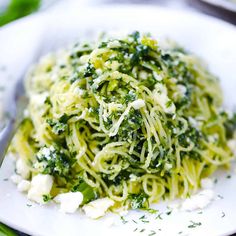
[{"x": 129, "y": 119}]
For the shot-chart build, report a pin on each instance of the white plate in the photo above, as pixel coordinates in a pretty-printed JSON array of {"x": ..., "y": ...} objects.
[
  {"x": 226, "y": 4},
  {"x": 212, "y": 39}
]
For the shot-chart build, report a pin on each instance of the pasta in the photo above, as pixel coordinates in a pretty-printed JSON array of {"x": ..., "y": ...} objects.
[{"x": 128, "y": 119}]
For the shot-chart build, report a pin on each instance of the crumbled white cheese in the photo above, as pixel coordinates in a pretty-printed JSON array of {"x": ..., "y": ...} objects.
[
  {"x": 143, "y": 75},
  {"x": 45, "y": 152},
  {"x": 23, "y": 186},
  {"x": 232, "y": 145},
  {"x": 114, "y": 107},
  {"x": 40, "y": 185},
  {"x": 16, "y": 179},
  {"x": 207, "y": 183},
  {"x": 22, "y": 168},
  {"x": 137, "y": 104},
  {"x": 98, "y": 208},
  {"x": 182, "y": 89},
  {"x": 26, "y": 113},
  {"x": 79, "y": 91},
  {"x": 114, "y": 44},
  {"x": 69, "y": 201},
  {"x": 156, "y": 76},
  {"x": 213, "y": 138},
  {"x": 160, "y": 96},
  {"x": 84, "y": 59},
  {"x": 198, "y": 201},
  {"x": 40, "y": 166},
  {"x": 113, "y": 65},
  {"x": 38, "y": 99},
  {"x": 99, "y": 71},
  {"x": 193, "y": 122},
  {"x": 173, "y": 80},
  {"x": 168, "y": 166},
  {"x": 96, "y": 82},
  {"x": 133, "y": 177}
]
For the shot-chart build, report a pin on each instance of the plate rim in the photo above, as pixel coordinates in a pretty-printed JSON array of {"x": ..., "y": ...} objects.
[{"x": 116, "y": 7}]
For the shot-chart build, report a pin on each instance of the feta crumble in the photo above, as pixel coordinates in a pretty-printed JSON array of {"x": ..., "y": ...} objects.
[
  {"x": 198, "y": 201},
  {"x": 84, "y": 59},
  {"x": 114, "y": 44},
  {"x": 143, "y": 75},
  {"x": 69, "y": 201},
  {"x": 98, "y": 208},
  {"x": 16, "y": 179},
  {"x": 156, "y": 76},
  {"x": 194, "y": 122},
  {"x": 137, "y": 104},
  {"x": 133, "y": 177},
  {"x": 40, "y": 185},
  {"x": 182, "y": 89},
  {"x": 161, "y": 97},
  {"x": 22, "y": 168},
  {"x": 39, "y": 99},
  {"x": 23, "y": 186}
]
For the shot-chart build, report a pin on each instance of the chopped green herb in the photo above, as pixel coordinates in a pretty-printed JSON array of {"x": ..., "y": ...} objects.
[
  {"x": 152, "y": 211},
  {"x": 89, "y": 71},
  {"x": 194, "y": 224},
  {"x": 230, "y": 126},
  {"x": 152, "y": 233},
  {"x": 222, "y": 214},
  {"x": 139, "y": 201},
  {"x": 55, "y": 162},
  {"x": 142, "y": 217},
  {"x": 168, "y": 212},
  {"x": 89, "y": 193},
  {"x": 135, "y": 221},
  {"x": 159, "y": 216},
  {"x": 59, "y": 126},
  {"x": 145, "y": 221},
  {"x": 47, "y": 198},
  {"x": 124, "y": 221}
]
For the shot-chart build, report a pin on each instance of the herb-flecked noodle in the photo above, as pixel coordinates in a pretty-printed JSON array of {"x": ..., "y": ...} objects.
[{"x": 126, "y": 119}]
